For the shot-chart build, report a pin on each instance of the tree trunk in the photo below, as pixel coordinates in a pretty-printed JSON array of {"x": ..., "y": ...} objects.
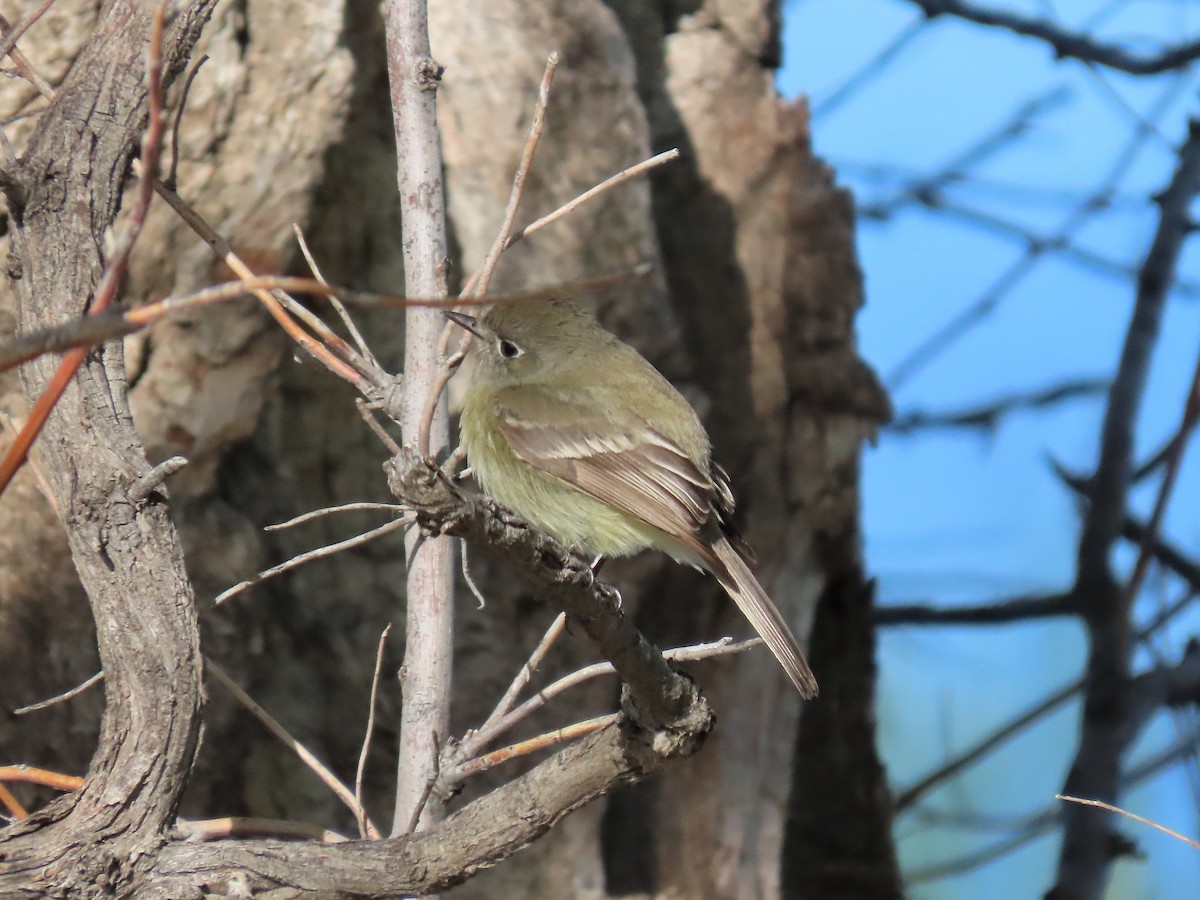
[{"x": 749, "y": 309}]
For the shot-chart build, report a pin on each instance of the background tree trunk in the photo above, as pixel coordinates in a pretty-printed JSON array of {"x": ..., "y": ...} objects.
[{"x": 750, "y": 309}]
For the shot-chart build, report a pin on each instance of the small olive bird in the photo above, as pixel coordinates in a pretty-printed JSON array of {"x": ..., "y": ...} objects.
[{"x": 573, "y": 430}]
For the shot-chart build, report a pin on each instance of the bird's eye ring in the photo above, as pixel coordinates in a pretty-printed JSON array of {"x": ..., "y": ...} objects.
[{"x": 508, "y": 349}]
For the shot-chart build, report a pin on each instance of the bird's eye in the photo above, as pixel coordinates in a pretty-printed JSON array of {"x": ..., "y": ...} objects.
[{"x": 508, "y": 349}]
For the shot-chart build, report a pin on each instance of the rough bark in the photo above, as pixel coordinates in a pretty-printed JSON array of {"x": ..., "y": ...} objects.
[{"x": 127, "y": 553}]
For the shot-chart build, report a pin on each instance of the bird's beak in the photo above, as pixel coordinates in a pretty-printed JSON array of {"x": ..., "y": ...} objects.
[{"x": 464, "y": 321}]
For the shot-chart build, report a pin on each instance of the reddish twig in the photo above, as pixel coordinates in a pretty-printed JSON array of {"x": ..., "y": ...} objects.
[
  {"x": 534, "y": 744},
  {"x": 44, "y": 777}
]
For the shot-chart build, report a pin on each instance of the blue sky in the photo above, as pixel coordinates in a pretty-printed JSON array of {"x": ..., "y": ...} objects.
[{"x": 959, "y": 517}]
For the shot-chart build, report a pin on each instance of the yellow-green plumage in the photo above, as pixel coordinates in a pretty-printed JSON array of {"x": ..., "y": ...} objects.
[{"x": 574, "y": 430}]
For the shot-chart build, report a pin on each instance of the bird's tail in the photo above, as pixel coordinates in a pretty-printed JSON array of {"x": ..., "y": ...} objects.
[{"x": 739, "y": 582}]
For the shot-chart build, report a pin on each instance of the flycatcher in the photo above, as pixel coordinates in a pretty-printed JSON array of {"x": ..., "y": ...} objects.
[{"x": 575, "y": 431}]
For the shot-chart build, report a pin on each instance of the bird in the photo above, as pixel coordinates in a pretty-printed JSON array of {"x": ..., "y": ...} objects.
[{"x": 574, "y": 430}]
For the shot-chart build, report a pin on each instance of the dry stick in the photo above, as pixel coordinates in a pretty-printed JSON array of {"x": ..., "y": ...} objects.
[
  {"x": 44, "y": 777},
  {"x": 327, "y": 777},
  {"x": 8, "y": 46},
  {"x": 110, "y": 279},
  {"x": 624, "y": 175},
  {"x": 534, "y": 744},
  {"x": 15, "y": 809},
  {"x": 337, "y": 304},
  {"x": 12, "y": 36},
  {"x": 253, "y": 826},
  {"x": 475, "y": 741},
  {"x": 464, "y": 552},
  {"x": 553, "y": 633},
  {"x": 89, "y": 331},
  {"x": 1116, "y": 809},
  {"x": 60, "y": 698},
  {"x": 477, "y": 286},
  {"x": 366, "y": 744},
  {"x": 170, "y": 181},
  {"x": 536, "y": 128},
  {"x": 329, "y": 510},
  {"x": 413, "y": 77},
  {"x": 368, "y": 416},
  {"x": 302, "y": 558},
  {"x": 351, "y": 368}
]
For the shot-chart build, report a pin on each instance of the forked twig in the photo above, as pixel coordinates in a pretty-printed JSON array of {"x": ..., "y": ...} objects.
[
  {"x": 612, "y": 181},
  {"x": 338, "y": 306},
  {"x": 322, "y": 771},
  {"x": 534, "y": 744},
  {"x": 302, "y": 558}
]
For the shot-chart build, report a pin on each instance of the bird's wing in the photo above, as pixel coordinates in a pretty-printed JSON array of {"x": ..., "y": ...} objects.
[{"x": 629, "y": 466}]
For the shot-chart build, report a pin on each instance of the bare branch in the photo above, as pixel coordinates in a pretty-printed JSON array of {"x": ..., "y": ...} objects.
[
  {"x": 1124, "y": 812},
  {"x": 413, "y": 77},
  {"x": 1015, "y": 609},
  {"x": 307, "y": 557},
  {"x": 1106, "y": 732},
  {"x": 1066, "y": 44},
  {"x": 564, "y": 581},
  {"x": 986, "y": 416}
]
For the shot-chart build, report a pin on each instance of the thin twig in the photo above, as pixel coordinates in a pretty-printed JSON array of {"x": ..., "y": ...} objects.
[
  {"x": 1116, "y": 809},
  {"x": 14, "y": 807},
  {"x": 354, "y": 370},
  {"x": 8, "y": 47},
  {"x": 252, "y": 826},
  {"x": 535, "y": 744},
  {"x": 338, "y": 306},
  {"x": 368, "y": 416},
  {"x": 91, "y": 330},
  {"x": 366, "y": 744},
  {"x": 477, "y": 286},
  {"x": 309, "y": 556},
  {"x": 45, "y": 777},
  {"x": 484, "y": 279},
  {"x": 474, "y": 742},
  {"x": 60, "y": 698},
  {"x": 322, "y": 771},
  {"x": 468, "y": 578},
  {"x": 621, "y": 177},
  {"x": 329, "y": 510},
  {"x": 1066, "y": 43},
  {"x": 192, "y": 71},
  {"x": 553, "y": 633}
]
